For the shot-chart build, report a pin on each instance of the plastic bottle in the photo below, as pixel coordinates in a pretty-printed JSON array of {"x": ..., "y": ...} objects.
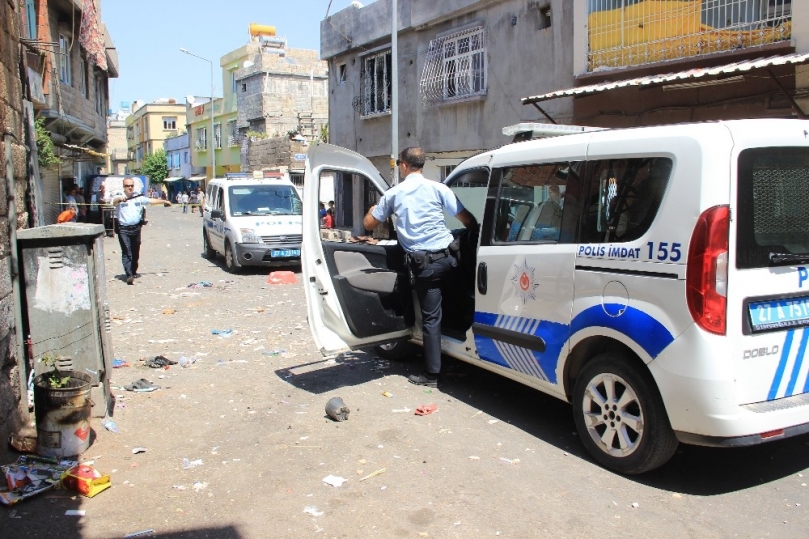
[{"x": 110, "y": 425}]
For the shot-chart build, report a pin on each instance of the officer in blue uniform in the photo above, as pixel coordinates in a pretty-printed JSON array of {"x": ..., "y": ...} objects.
[
  {"x": 130, "y": 211},
  {"x": 419, "y": 205}
]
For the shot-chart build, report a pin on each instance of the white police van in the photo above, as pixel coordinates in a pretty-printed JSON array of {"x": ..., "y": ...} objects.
[
  {"x": 652, "y": 277},
  {"x": 252, "y": 221}
]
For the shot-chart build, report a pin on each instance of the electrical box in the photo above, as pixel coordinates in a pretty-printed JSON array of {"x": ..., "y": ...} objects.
[{"x": 65, "y": 307}]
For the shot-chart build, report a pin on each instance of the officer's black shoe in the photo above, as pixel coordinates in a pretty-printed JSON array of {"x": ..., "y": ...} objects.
[
  {"x": 424, "y": 379},
  {"x": 130, "y": 279}
]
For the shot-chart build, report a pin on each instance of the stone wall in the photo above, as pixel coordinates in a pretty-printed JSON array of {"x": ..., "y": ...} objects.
[
  {"x": 12, "y": 411},
  {"x": 272, "y": 153}
]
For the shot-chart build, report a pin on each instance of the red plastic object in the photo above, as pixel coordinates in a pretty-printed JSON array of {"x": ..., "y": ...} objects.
[{"x": 281, "y": 277}]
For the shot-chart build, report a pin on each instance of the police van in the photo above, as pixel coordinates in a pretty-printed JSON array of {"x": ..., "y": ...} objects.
[
  {"x": 655, "y": 278},
  {"x": 252, "y": 221}
]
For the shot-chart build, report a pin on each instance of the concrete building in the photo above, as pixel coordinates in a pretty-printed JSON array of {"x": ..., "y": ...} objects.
[
  {"x": 463, "y": 66},
  {"x": 148, "y": 126},
  {"x": 117, "y": 152},
  {"x": 70, "y": 58},
  {"x": 182, "y": 173}
]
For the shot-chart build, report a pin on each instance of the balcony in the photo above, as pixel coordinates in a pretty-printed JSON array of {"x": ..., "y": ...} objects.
[{"x": 650, "y": 31}]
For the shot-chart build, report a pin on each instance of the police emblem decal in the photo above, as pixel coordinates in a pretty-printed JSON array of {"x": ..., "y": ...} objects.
[{"x": 524, "y": 282}]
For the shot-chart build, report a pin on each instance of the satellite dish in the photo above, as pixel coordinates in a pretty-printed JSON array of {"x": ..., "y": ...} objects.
[{"x": 190, "y": 100}]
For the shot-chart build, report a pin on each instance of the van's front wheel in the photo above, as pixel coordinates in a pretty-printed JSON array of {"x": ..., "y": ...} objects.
[
  {"x": 230, "y": 259},
  {"x": 620, "y": 416}
]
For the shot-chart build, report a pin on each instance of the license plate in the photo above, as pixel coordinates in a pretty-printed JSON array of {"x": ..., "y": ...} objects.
[
  {"x": 285, "y": 253},
  {"x": 779, "y": 313}
]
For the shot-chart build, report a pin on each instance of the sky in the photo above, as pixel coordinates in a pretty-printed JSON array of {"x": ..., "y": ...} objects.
[{"x": 148, "y": 35}]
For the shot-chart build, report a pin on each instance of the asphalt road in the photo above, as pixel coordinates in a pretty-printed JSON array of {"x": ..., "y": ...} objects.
[{"x": 496, "y": 460}]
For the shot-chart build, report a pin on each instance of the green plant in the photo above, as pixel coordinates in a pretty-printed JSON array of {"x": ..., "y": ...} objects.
[
  {"x": 255, "y": 135},
  {"x": 156, "y": 166},
  {"x": 54, "y": 377},
  {"x": 324, "y": 132},
  {"x": 46, "y": 154}
]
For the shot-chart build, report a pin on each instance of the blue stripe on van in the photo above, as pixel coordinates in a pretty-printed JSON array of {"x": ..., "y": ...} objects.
[
  {"x": 650, "y": 334},
  {"x": 779, "y": 372},
  {"x": 796, "y": 369}
]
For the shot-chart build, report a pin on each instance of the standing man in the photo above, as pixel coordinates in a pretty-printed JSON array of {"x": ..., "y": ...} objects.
[
  {"x": 131, "y": 214},
  {"x": 185, "y": 199},
  {"x": 419, "y": 205}
]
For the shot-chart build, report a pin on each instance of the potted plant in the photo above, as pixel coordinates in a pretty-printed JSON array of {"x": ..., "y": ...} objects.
[{"x": 62, "y": 408}]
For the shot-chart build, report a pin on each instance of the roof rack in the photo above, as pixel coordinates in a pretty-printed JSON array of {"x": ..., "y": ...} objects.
[{"x": 531, "y": 130}]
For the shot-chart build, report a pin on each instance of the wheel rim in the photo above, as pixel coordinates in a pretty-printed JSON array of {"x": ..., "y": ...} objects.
[
  {"x": 613, "y": 415},
  {"x": 229, "y": 256},
  {"x": 388, "y": 346}
]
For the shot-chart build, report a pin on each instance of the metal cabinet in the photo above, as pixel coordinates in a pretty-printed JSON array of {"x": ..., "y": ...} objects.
[{"x": 65, "y": 308}]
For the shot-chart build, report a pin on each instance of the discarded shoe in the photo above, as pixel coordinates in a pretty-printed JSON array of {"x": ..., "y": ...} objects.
[
  {"x": 158, "y": 362},
  {"x": 424, "y": 379},
  {"x": 143, "y": 385}
]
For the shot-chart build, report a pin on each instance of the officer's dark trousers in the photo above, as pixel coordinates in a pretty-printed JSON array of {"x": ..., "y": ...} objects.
[
  {"x": 428, "y": 290},
  {"x": 129, "y": 238}
]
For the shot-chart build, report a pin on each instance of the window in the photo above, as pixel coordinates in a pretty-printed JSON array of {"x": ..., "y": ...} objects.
[
  {"x": 185, "y": 157},
  {"x": 445, "y": 171},
  {"x": 455, "y": 67},
  {"x": 169, "y": 123},
  {"x": 101, "y": 94},
  {"x": 176, "y": 160},
  {"x": 139, "y": 156},
  {"x": 544, "y": 17},
  {"x": 201, "y": 140},
  {"x": 623, "y": 198},
  {"x": 341, "y": 76},
  {"x": 244, "y": 87},
  {"x": 471, "y": 188},
  {"x": 83, "y": 90},
  {"x": 773, "y": 211},
  {"x": 217, "y": 135},
  {"x": 233, "y": 82},
  {"x": 530, "y": 202},
  {"x": 31, "y": 19},
  {"x": 376, "y": 84},
  {"x": 233, "y": 133},
  {"x": 64, "y": 59},
  {"x": 168, "y": 160}
]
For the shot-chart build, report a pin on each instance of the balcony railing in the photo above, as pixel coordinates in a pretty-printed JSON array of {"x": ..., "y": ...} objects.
[{"x": 630, "y": 33}]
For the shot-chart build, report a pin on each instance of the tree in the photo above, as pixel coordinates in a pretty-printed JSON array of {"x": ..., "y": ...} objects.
[{"x": 155, "y": 166}]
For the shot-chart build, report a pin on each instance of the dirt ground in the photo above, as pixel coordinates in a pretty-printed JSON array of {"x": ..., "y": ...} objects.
[{"x": 238, "y": 444}]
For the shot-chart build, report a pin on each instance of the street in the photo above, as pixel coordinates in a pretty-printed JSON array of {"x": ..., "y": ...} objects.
[{"x": 496, "y": 459}]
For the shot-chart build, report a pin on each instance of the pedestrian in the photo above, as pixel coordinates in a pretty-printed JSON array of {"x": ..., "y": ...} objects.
[
  {"x": 431, "y": 251},
  {"x": 179, "y": 198},
  {"x": 193, "y": 200},
  {"x": 130, "y": 212},
  {"x": 185, "y": 199},
  {"x": 201, "y": 200},
  {"x": 80, "y": 204},
  {"x": 71, "y": 204},
  {"x": 321, "y": 211},
  {"x": 328, "y": 220}
]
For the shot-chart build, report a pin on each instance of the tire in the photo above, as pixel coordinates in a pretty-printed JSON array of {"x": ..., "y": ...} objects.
[
  {"x": 631, "y": 433},
  {"x": 208, "y": 251},
  {"x": 396, "y": 350},
  {"x": 230, "y": 259}
]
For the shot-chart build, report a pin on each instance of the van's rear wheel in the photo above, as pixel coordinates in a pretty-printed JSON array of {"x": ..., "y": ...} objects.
[
  {"x": 396, "y": 350},
  {"x": 230, "y": 259},
  {"x": 620, "y": 416},
  {"x": 208, "y": 251}
]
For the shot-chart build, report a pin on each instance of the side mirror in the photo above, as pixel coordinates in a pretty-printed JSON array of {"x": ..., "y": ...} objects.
[{"x": 216, "y": 214}]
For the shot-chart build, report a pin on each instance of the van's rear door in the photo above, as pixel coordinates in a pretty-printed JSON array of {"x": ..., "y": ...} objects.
[{"x": 768, "y": 283}]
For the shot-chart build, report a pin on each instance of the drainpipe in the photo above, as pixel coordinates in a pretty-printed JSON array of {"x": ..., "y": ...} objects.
[{"x": 394, "y": 95}]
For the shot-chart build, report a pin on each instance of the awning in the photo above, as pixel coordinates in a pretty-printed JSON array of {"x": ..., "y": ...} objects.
[
  {"x": 651, "y": 80},
  {"x": 197, "y": 178},
  {"x": 174, "y": 179}
]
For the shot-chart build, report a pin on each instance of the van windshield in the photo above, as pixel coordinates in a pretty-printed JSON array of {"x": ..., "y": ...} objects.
[
  {"x": 773, "y": 209},
  {"x": 264, "y": 199}
]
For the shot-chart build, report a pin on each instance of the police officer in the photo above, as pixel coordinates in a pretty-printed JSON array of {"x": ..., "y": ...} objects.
[
  {"x": 130, "y": 212},
  {"x": 419, "y": 205}
]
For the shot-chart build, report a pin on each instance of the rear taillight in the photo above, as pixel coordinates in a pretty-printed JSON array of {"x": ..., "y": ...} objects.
[{"x": 706, "y": 277}]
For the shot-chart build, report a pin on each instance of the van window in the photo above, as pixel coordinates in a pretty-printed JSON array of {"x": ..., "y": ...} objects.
[
  {"x": 470, "y": 187},
  {"x": 264, "y": 199},
  {"x": 773, "y": 209},
  {"x": 623, "y": 198},
  {"x": 530, "y": 202}
]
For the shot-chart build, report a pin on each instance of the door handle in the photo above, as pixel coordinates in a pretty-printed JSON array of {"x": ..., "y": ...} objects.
[{"x": 482, "y": 278}]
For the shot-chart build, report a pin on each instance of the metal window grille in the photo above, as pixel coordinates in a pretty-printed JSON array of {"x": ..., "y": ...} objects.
[
  {"x": 202, "y": 139},
  {"x": 376, "y": 83},
  {"x": 217, "y": 136},
  {"x": 233, "y": 134},
  {"x": 638, "y": 32},
  {"x": 455, "y": 67}
]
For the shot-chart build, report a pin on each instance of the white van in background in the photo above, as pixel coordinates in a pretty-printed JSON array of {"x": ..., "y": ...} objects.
[
  {"x": 655, "y": 278},
  {"x": 252, "y": 221}
]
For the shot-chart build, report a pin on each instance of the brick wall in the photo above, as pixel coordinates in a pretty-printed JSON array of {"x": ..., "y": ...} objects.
[
  {"x": 272, "y": 153},
  {"x": 12, "y": 413}
]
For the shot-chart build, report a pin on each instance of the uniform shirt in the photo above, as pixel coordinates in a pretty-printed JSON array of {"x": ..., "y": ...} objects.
[
  {"x": 130, "y": 212},
  {"x": 418, "y": 204}
]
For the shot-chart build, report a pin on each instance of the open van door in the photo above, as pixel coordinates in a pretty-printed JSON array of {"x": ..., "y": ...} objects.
[{"x": 357, "y": 292}]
